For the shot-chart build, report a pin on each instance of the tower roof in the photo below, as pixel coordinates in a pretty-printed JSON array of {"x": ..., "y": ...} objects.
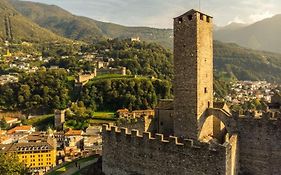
[{"x": 191, "y": 12}]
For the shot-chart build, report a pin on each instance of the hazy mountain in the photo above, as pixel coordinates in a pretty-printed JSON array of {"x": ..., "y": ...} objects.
[
  {"x": 75, "y": 27},
  {"x": 230, "y": 27},
  {"x": 262, "y": 35},
  {"x": 19, "y": 28}
]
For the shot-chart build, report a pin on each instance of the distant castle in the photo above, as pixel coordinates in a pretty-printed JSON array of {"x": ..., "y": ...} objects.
[{"x": 198, "y": 136}]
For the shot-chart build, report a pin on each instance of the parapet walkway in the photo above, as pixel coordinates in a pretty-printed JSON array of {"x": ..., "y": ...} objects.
[{"x": 74, "y": 169}]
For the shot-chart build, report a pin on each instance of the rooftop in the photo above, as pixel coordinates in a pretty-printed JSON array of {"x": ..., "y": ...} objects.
[
  {"x": 10, "y": 119},
  {"x": 22, "y": 147},
  {"x": 73, "y": 132},
  {"x": 193, "y": 11},
  {"x": 19, "y": 129}
]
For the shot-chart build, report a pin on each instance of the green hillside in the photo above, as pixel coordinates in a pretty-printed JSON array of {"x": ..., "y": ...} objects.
[
  {"x": 247, "y": 64},
  {"x": 230, "y": 59},
  {"x": 74, "y": 27},
  {"x": 16, "y": 27}
]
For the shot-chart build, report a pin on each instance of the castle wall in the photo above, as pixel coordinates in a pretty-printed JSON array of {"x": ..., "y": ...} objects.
[
  {"x": 128, "y": 154},
  {"x": 260, "y": 145},
  {"x": 164, "y": 119},
  {"x": 143, "y": 124},
  {"x": 233, "y": 141}
]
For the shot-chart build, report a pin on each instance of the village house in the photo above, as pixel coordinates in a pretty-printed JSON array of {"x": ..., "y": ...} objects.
[
  {"x": 73, "y": 142},
  {"x": 11, "y": 121},
  {"x": 20, "y": 132}
]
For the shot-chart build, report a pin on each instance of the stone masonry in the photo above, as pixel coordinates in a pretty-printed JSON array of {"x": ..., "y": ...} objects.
[
  {"x": 193, "y": 62},
  {"x": 157, "y": 156}
]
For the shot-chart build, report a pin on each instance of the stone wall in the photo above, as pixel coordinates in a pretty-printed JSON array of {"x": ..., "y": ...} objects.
[
  {"x": 143, "y": 124},
  {"x": 259, "y": 144},
  {"x": 128, "y": 154},
  {"x": 164, "y": 117}
]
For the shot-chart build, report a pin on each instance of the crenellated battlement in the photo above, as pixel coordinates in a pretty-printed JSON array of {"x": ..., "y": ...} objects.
[
  {"x": 115, "y": 134},
  {"x": 252, "y": 116}
]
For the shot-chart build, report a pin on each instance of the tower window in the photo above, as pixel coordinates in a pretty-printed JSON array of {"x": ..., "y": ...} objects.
[
  {"x": 202, "y": 17},
  {"x": 180, "y": 20},
  {"x": 205, "y": 90},
  {"x": 208, "y": 104},
  {"x": 208, "y": 19},
  {"x": 189, "y": 17}
]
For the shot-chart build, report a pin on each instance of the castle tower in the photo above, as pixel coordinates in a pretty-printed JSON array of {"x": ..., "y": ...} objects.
[
  {"x": 59, "y": 119},
  {"x": 193, "y": 82}
]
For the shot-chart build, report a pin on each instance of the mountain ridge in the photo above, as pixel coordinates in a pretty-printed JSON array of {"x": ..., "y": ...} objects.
[
  {"x": 235, "y": 61},
  {"x": 16, "y": 27},
  {"x": 86, "y": 29},
  {"x": 262, "y": 35}
]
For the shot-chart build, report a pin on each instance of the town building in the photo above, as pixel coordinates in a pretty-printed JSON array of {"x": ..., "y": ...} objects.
[
  {"x": 19, "y": 132},
  {"x": 73, "y": 142},
  {"x": 39, "y": 155},
  {"x": 11, "y": 121},
  {"x": 92, "y": 139}
]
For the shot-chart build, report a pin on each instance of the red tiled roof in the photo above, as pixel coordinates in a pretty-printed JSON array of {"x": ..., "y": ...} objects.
[
  {"x": 10, "y": 119},
  {"x": 19, "y": 128},
  {"x": 73, "y": 132},
  {"x": 122, "y": 110},
  {"x": 2, "y": 132}
]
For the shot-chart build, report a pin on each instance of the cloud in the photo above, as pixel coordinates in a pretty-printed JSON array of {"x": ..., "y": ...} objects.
[
  {"x": 260, "y": 16},
  {"x": 237, "y": 20}
]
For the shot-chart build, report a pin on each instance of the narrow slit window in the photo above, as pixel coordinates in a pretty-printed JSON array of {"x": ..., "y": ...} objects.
[
  {"x": 201, "y": 17},
  {"x": 205, "y": 90},
  {"x": 180, "y": 20}
]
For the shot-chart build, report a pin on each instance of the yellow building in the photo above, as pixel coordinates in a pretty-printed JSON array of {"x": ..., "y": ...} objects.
[
  {"x": 38, "y": 156},
  {"x": 8, "y": 54}
]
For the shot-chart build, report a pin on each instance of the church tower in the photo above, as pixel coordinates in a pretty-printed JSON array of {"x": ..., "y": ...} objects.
[{"x": 193, "y": 68}]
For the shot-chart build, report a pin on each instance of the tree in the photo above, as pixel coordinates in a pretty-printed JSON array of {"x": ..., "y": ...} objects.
[
  {"x": 10, "y": 165},
  {"x": 3, "y": 124}
]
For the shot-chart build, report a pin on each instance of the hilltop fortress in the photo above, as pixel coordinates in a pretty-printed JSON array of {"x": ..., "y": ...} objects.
[{"x": 191, "y": 134}]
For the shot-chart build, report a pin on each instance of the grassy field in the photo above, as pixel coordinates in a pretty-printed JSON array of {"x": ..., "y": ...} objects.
[
  {"x": 70, "y": 78},
  {"x": 104, "y": 115},
  {"x": 42, "y": 122},
  {"x": 98, "y": 121}
]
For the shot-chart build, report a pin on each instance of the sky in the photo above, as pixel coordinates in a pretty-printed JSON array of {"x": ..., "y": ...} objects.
[{"x": 159, "y": 13}]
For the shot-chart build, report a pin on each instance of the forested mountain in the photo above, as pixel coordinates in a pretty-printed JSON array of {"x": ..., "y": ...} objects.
[
  {"x": 15, "y": 27},
  {"x": 262, "y": 35},
  {"x": 247, "y": 64},
  {"x": 233, "y": 60},
  {"x": 75, "y": 27}
]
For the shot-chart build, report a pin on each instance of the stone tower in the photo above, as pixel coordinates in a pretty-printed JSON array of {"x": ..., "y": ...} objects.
[
  {"x": 193, "y": 82},
  {"x": 59, "y": 119}
]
